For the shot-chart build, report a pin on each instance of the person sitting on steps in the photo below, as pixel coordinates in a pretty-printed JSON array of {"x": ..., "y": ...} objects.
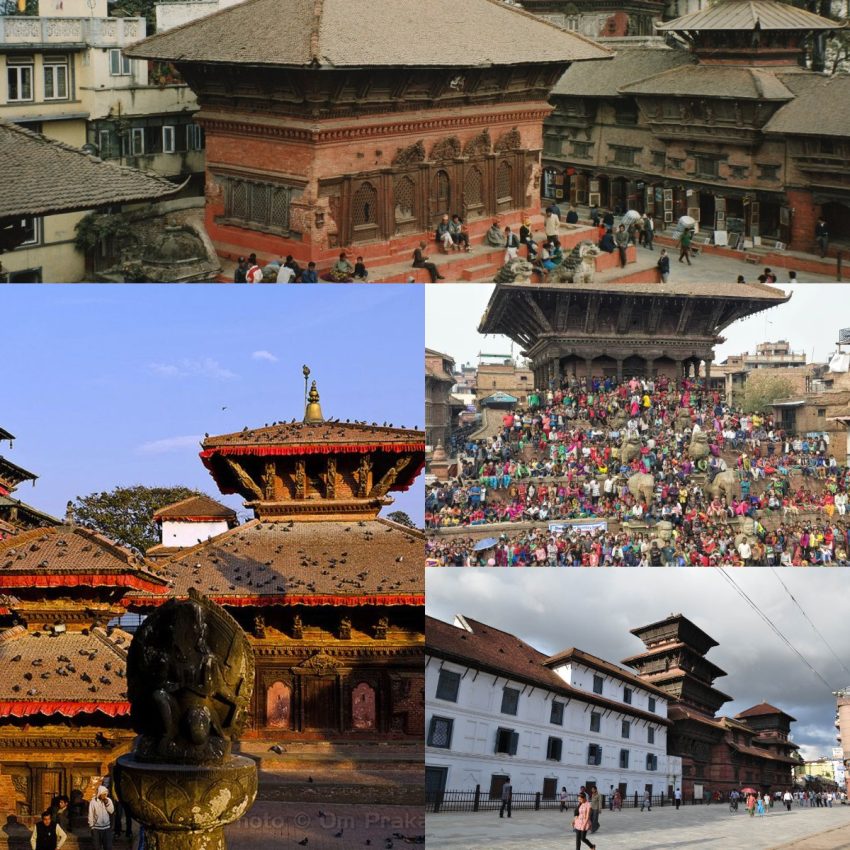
[{"x": 420, "y": 261}]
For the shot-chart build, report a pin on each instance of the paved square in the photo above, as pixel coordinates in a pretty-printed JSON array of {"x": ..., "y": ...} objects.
[{"x": 703, "y": 827}]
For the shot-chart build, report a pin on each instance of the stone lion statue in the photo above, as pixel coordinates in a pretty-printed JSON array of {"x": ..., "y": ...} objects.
[
  {"x": 698, "y": 448},
  {"x": 642, "y": 486},
  {"x": 516, "y": 270},
  {"x": 726, "y": 484},
  {"x": 683, "y": 419},
  {"x": 630, "y": 448}
]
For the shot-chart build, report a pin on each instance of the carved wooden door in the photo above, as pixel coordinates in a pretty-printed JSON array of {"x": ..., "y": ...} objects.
[
  {"x": 320, "y": 702},
  {"x": 50, "y": 784},
  {"x": 441, "y": 198}
]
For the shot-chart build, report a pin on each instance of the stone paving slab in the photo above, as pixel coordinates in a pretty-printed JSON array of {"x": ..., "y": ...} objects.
[
  {"x": 287, "y": 825},
  {"x": 698, "y": 827}
]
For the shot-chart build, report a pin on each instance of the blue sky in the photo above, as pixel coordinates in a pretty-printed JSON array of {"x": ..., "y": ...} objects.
[{"x": 115, "y": 385}]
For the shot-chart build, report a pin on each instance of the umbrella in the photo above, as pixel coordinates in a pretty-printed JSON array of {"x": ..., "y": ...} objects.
[
  {"x": 486, "y": 543},
  {"x": 749, "y": 791}
]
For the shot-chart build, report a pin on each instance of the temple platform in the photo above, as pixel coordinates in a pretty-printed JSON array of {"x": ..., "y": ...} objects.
[{"x": 388, "y": 773}]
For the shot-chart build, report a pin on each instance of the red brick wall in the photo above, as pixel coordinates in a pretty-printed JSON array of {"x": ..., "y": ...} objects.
[{"x": 803, "y": 220}]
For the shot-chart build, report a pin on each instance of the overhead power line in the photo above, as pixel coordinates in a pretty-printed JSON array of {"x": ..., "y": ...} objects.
[
  {"x": 808, "y": 620},
  {"x": 772, "y": 626}
]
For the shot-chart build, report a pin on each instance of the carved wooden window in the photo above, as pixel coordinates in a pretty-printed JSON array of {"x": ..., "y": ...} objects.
[
  {"x": 442, "y": 193},
  {"x": 503, "y": 181},
  {"x": 404, "y": 199},
  {"x": 256, "y": 205},
  {"x": 363, "y": 707},
  {"x": 365, "y": 205},
  {"x": 238, "y": 201},
  {"x": 473, "y": 189},
  {"x": 280, "y": 205},
  {"x": 279, "y": 705}
]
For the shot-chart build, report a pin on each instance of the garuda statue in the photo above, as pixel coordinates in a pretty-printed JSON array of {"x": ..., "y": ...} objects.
[{"x": 190, "y": 673}]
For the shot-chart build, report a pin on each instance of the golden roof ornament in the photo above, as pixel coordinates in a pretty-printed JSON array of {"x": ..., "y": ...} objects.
[{"x": 313, "y": 413}]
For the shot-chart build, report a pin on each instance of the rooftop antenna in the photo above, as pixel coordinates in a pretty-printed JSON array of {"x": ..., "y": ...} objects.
[{"x": 305, "y": 370}]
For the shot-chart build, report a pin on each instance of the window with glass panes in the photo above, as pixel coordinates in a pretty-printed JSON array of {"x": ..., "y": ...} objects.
[
  {"x": 448, "y": 685},
  {"x": 55, "y": 77},
  {"x": 19, "y": 73}
]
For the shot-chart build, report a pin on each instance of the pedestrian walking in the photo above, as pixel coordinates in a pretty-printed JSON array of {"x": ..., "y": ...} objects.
[
  {"x": 648, "y": 231},
  {"x": 751, "y": 804},
  {"x": 563, "y": 798},
  {"x": 47, "y": 834},
  {"x": 787, "y": 798},
  {"x": 101, "y": 810},
  {"x": 582, "y": 822},
  {"x": 595, "y": 809},
  {"x": 618, "y": 801},
  {"x": 611, "y": 799},
  {"x": 664, "y": 266},
  {"x": 646, "y": 801},
  {"x": 685, "y": 246},
  {"x": 822, "y": 236},
  {"x": 677, "y": 796},
  {"x": 507, "y": 798}
]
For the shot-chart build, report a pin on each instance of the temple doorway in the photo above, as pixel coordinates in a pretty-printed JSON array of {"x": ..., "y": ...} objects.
[{"x": 320, "y": 702}]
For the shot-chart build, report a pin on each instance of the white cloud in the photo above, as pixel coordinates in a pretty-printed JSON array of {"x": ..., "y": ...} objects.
[
  {"x": 203, "y": 367},
  {"x": 169, "y": 444},
  {"x": 264, "y": 355}
]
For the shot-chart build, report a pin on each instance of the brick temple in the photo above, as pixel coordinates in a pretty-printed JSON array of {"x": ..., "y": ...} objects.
[
  {"x": 330, "y": 594},
  {"x": 719, "y": 754},
  {"x": 16, "y": 515},
  {"x": 351, "y": 124}
]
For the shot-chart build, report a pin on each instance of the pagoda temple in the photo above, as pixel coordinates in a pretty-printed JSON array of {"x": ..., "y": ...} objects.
[
  {"x": 64, "y": 714},
  {"x": 354, "y": 124},
  {"x": 621, "y": 329},
  {"x": 330, "y": 594},
  {"x": 722, "y": 120},
  {"x": 16, "y": 515},
  {"x": 719, "y": 754}
]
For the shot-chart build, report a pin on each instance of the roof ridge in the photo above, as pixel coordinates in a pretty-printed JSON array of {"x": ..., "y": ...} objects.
[
  {"x": 405, "y": 529},
  {"x": 318, "y": 8},
  {"x": 521, "y": 11}
]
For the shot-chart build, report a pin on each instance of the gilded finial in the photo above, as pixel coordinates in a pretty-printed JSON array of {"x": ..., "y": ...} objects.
[{"x": 313, "y": 413}]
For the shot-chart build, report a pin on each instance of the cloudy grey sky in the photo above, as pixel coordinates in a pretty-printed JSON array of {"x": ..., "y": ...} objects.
[
  {"x": 593, "y": 610},
  {"x": 810, "y": 321}
]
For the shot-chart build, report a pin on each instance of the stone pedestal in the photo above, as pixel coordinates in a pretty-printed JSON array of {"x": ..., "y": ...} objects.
[{"x": 183, "y": 806}]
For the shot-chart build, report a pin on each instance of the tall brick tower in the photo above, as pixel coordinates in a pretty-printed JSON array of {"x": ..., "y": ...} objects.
[{"x": 675, "y": 662}]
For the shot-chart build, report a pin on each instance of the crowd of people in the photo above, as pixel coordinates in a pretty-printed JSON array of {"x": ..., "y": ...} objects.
[{"x": 565, "y": 463}]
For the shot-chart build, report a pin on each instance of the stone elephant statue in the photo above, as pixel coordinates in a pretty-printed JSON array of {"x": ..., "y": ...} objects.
[
  {"x": 726, "y": 484},
  {"x": 664, "y": 533},
  {"x": 630, "y": 448},
  {"x": 642, "y": 486}
]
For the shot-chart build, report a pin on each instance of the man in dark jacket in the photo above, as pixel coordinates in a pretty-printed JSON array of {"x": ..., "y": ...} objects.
[
  {"x": 822, "y": 235},
  {"x": 47, "y": 835}
]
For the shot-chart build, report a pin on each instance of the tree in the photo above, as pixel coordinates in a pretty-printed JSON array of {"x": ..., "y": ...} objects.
[
  {"x": 401, "y": 518},
  {"x": 762, "y": 390},
  {"x": 125, "y": 514}
]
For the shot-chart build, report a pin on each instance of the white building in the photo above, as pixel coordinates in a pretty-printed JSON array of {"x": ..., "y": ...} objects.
[
  {"x": 495, "y": 708},
  {"x": 190, "y": 522},
  {"x": 63, "y": 74}
]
